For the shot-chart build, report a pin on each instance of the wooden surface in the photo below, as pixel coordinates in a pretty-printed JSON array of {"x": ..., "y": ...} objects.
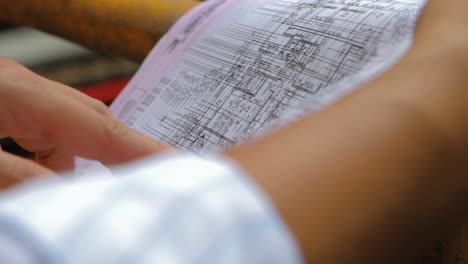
[
  {"x": 127, "y": 28},
  {"x": 130, "y": 28}
]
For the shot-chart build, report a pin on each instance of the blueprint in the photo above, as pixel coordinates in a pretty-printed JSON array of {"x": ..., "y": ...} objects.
[{"x": 231, "y": 70}]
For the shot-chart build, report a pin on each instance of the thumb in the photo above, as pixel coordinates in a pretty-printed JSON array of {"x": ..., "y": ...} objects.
[{"x": 14, "y": 170}]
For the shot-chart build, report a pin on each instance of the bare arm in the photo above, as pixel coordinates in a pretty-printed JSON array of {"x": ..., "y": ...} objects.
[
  {"x": 124, "y": 28},
  {"x": 371, "y": 178}
]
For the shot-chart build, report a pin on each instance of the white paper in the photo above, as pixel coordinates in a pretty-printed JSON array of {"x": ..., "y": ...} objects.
[{"x": 232, "y": 69}]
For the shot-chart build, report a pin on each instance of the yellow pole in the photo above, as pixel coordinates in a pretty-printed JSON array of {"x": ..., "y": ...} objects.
[{"x": 125, "y": 28}]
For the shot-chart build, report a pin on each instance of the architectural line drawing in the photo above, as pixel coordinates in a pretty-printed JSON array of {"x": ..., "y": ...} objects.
[{"x": 235, "y": 82}]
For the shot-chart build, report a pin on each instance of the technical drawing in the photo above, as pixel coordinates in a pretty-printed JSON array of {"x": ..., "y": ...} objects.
[{"x": 233, "y": 83}]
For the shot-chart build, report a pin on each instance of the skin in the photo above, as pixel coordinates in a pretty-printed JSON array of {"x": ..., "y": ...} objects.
[
  {"x": 373, "y": 177},
  {"x": 368, "y": 179},
  {"x": 57, "y": 123}
]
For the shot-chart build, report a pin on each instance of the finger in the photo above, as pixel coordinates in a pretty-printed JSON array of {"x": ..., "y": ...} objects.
[
  {"x": 35, "y": 145},
  {"x": 59, "y": 160},
  {"x": 47, "y": 155},
  {"x": 72, "y": 123},
  {"x": 93, "y": 132},
  {"x": 15, "y": 170},
  {"x": 70, "y": 92},
  {"x": 125, "y": 144},
  {"x": 114, "y": 142}
]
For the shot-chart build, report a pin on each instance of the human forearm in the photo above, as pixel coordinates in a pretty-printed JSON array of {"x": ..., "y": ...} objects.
[
  {"x": 380, "y": 167},
  {"x": 123, "y": 28}
]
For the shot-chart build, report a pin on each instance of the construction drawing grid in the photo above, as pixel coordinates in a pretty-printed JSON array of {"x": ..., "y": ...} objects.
[{"x": 235, "y": 82}]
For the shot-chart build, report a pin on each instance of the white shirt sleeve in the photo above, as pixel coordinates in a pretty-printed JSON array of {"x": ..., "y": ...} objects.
[{"x": 174, "y": 209}]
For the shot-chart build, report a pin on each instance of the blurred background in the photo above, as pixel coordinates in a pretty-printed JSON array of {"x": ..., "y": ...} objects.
[
  {"x": 99, "y": 76},
  {"x": 120, "y": 29},
  {"x": 55, "y": 58}
]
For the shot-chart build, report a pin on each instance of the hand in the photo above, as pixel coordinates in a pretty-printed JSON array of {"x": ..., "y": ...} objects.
[{"x": 58, "y": 123}]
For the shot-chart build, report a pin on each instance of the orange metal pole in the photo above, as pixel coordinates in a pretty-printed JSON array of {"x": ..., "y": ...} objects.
[{"x": 126, "y": 28}]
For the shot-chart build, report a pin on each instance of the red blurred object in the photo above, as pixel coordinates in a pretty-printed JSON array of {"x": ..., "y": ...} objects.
[{"x": 106, "y": 91}]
